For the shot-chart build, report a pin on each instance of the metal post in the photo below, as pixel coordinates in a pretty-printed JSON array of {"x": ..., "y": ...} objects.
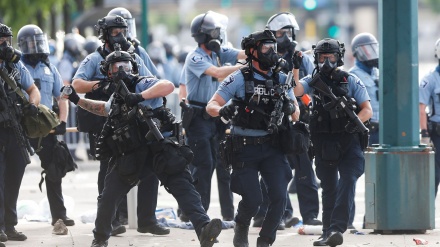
[{"x": 144, "y": 15}]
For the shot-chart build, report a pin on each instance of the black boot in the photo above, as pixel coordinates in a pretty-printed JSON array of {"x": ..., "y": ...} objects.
[
  {"x": 210, "y": 232},
  {"x": 334, "y": 239},
  {"x": 321, "y": 241},
  {"x": 99, "y": 243},
  {"x": 241, "y": 235},
  {"x": 261, "y": 242}
]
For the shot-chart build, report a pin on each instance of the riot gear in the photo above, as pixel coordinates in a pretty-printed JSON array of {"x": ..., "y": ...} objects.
[
  {"x": 118, "y": 58},
  {"x": 112, "y": 30},
  {"x": 365, "y": 49},
  {"x": 131, "y": 22},
  {"x": 329, "y": 52},
  {"x": 265, "y": 44},
  {"x": 33, "y": 44},
  {"x": 208, "y": 29},
  {"x": 7, "y": 52},
  {"x": 283, "y": 26}
]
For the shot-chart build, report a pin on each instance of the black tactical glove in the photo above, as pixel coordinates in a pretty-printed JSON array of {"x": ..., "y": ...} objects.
[
  {"x": 73, "y": 96},
  {"x": 60, "y": 129},
  {"x": 351, "y": 127},
  {"x": 31, "y": 110},
  {"x": 133, "y": 99},
  {"x": 296, "y": 60},
  {"x": 339, "y": 75},
  {"x": 288, "y": 107},
  {"x": 228, "y": 111}
]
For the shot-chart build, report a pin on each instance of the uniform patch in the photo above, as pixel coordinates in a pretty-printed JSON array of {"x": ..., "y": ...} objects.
[
  {"x": 196, "y": 58},
  {"x": 424, "y": 84},
  {"x": 230, "y": 79},
  {"x": 360, "y": 83},
  {"x": 46, "y": 71}
]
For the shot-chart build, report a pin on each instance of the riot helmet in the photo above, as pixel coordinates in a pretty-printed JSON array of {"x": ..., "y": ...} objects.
[
  {"x": 283, "y": 26},
  {"x": 73, "y": 44},
  {"x": 365, "y": 49},
  {"x": 328, "y": 54},
  {"x": 131, "y": 22},
  {"x": 437, "y": 49},
  {"x": 110, "y": 66},
  {"x": 113, "y": 30},
  {"x": 7, "y": 52},
  {"x": 92, "y": 43},
  {"x": 265, "y": 44},
  {"x": 206, "y": 29}
]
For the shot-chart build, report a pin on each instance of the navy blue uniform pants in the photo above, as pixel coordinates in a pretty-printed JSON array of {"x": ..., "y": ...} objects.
[
  {"x": 274, "y": 169},
  {"x": 435, "y": 138},
  {"x": 115, "y": 188},
  {"x": 53, "y": 185},
  {"x": 338, "y": 183},
  {"x": 12, "y": 166}
]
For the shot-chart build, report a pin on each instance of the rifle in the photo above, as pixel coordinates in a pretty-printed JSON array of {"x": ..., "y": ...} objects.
[
  {"x": 338, "y": 102},
  {"x": 145, "y": 113},
  {"x": 12, "y": 110},
  {"x": 277, "y": 115}
]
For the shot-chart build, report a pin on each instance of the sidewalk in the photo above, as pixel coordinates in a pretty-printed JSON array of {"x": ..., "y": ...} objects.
[{"x": 81, "y": 187}]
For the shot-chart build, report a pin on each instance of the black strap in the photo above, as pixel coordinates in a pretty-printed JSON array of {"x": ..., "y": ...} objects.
[{"x": 197, "y": 103}]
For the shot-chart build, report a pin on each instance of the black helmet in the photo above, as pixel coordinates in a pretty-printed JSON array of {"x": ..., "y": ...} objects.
[
  {"x": 365, "y": 47},
  {"x": 105, "y": 25},
  {"x": 131, "y": 23},
  {"x": 327, "y": 46},
  {"x": 116, "y": 59},
  {"x": 5, "y": 31},
  {"x": 91, "y": 44},
  {"x": 253, "y": 39},
  {"x": 7, "y": 52},
  {"x": 32, "y": 40},
  {"x": 206, "y": 26}
]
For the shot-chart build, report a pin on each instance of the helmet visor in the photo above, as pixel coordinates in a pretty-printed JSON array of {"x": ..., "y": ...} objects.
[
  {"x": 131, "y": 33},
  {"x": 224, "y": 36},
  {"x": 281, "y": 32},
  {"x": 35, "y": 44},
  {"x": 367, "y": 52},
  {"x": 7, "y": 39},
  {"x": 332, "y": 57},
  {"x": 126, "y": 66},
  {"x": 266, "y": 46}
]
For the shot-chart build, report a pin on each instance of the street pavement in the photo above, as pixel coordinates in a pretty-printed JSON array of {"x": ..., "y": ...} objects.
[{"x": 81, "y": 191}]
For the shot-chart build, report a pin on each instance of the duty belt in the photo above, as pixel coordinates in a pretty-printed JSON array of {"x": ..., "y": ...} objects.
[{"x": 252, "y": 140}]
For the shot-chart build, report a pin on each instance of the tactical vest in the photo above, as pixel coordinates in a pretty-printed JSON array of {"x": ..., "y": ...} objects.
[
  {"x": 328, "y": 121},
  {"x": 4, "y": 107},
  {"x": 254, "y": 112}
]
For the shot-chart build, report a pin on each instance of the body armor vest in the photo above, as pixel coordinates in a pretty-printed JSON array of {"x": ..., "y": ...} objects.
[
  {"x": 331, "y": 120},
  {"x": 254, "y": 112},
  {"x": 15, "y": 74}
]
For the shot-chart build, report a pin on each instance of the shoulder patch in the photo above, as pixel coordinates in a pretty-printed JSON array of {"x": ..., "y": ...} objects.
[
  {"x": 196, "y": 58},
  {"x": 360, "y": 83},
  {"x": 225, "y": 49},
  {"x": 230, "y": 79},
  {"x": 424, "y": 83}
]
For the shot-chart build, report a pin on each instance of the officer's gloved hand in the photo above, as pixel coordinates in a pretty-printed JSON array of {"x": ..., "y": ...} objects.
[
  {"x": 73, "y": 97},
  {"x": 339, "y": 75},
  {"x": 228, "y": 111},
  {"x": 60, "y": 129},
  {"x": 425, "y": 137},
  {"x": 133, "y": 99},
  {"x": 297, "y": 60},
  {"x": 288, "y": 107},
  {"x": 31, "y": 110},
  {"x": 351, "y": 127}
]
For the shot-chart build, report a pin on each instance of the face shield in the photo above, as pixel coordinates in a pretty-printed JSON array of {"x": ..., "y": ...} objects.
[
  {"x": 367, "y": 52},
  {"x": 131, "y": 32},
  {"x": 126, "y": 66},
  {"x": 35, "y": 44},
  {"x": 282, "y": 20},
  {"x": 7, "y": 39}
]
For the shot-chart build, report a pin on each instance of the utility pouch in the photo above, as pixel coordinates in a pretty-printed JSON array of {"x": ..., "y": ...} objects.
[
  {"x": 364, "y": 139},
  {"x": 125, "y": 139},
  {"x": 188, "y": 115},
  {"x": 226, "y": 152},
  {"x": 331, "y": 152},
  {"x": 170, "y": 157},
  {"x": 295, "y": 139}
]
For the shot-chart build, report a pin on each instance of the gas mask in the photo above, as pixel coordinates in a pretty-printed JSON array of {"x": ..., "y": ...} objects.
[
  {"x": 33, "y": 59},
  {"x": 213, "y": 45},
  {"x": 285, "y": 44},
  {"x": 121, "y": 40},
  {"x": 327, "y": 67},
  {"x": 9, "y": 54},
  {"x": 267, "y": 55}
]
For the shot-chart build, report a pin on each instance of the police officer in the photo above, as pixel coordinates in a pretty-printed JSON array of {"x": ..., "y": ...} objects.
[
  {"x": 203, "y": 70},
  {"x": 34, "y": 46},
  {"x": 12, "y": 162},
  {"x": 283, "y": 26},
  {"x": 429, "y": 89},
  {"x": 89, "y": 79},
  {"x": 254, "y": 150},
  {"x": 365, "y": 49},
  {"x": 132, "y": 37},
  {"x": 133, "y": 159},
  {"x": 335, "y": 137}
]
